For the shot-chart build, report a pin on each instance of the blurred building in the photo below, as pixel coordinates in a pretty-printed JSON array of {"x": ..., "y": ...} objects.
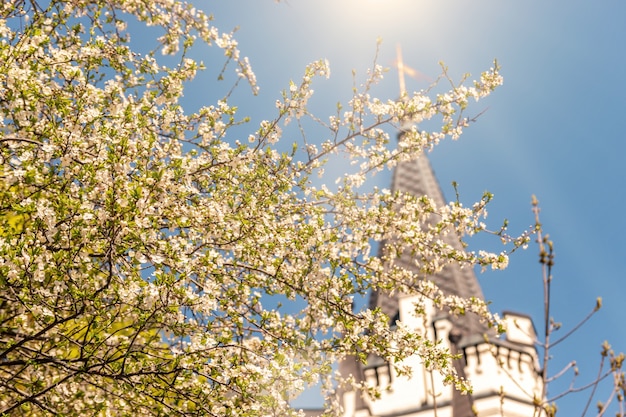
[{"x": 504, "y": 371}]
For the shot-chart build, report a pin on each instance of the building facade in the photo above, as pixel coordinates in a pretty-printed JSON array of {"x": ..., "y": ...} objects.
[{"x": 504, "y": 371}]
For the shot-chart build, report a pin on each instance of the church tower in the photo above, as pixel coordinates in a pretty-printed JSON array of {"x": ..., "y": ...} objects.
[{"x": 504, "y": 371}]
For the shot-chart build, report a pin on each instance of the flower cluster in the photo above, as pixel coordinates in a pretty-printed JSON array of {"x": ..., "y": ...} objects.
[{"x": 151, "y": 267}]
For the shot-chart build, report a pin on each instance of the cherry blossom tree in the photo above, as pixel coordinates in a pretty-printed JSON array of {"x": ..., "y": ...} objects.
[{"x": 143, "y": 246}]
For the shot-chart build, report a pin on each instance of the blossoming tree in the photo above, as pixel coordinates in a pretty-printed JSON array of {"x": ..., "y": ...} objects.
[{"x": 139, "y": 242}]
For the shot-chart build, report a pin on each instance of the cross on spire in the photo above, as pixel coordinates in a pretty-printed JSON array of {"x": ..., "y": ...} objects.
[
  {"x": 400, "y": 65},
  {"x": 404, "y": 69}
]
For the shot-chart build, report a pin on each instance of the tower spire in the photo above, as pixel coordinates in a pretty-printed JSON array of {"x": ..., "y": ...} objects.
[{"x": 416, "y": 177}]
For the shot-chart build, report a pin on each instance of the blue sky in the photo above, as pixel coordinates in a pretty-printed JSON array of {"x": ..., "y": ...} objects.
[{"x": 554, "y": 129}]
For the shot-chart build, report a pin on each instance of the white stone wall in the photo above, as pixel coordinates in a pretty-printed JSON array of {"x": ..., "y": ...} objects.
[{"x": 504, "y": 374}]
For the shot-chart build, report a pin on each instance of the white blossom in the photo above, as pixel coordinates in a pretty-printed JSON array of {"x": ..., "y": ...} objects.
[{"x": 145, "y": 249}]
